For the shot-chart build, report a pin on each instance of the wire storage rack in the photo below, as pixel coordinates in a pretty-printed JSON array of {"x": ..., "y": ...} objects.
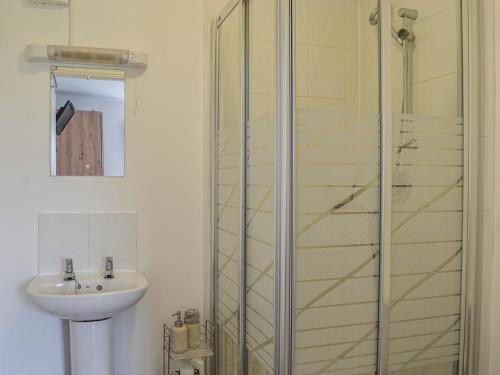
[{"x": 203, "y": 351}]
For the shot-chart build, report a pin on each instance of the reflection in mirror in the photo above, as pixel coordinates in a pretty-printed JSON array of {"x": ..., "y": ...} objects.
[{"x": 87, "y": 129}]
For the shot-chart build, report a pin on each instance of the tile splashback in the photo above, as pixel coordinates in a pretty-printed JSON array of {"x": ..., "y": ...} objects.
[
  {"x": 86, "y": 238},
  {"x": 113, "y": 235},
  {"x": 62, "y": 236}
]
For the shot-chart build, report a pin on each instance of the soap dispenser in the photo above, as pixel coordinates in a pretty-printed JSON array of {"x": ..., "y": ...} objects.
[{"x": 178, "y": 335}]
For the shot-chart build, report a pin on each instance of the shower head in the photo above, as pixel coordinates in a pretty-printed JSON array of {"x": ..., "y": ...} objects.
[{"x": 403, "y": 34}]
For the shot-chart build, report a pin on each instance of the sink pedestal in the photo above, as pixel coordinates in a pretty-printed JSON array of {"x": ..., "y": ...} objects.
[{"x": 91, "y": 347}]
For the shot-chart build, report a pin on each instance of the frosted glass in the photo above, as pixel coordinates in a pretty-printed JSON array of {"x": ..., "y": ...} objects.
[
  {"x": 228, "y": 194},
  {"x": 427, "y": 193},
  {"x": 260, "y": 188},
  {"x": 337, "y": 203}
]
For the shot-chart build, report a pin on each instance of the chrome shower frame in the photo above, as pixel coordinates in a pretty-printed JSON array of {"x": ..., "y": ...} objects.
[
  {"x": 241, "y": 5},
  {"x": 286, "y": 186}
]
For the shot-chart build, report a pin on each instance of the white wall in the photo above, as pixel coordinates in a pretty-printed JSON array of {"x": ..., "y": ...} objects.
[
  {"x": 113, "y": 128},
  {"x": 163, "y": 182}
]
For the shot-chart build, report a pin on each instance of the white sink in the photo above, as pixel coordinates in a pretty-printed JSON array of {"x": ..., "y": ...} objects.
[
  {"x": 97, "y": 299},
  {"x": 89, "y": 310}
]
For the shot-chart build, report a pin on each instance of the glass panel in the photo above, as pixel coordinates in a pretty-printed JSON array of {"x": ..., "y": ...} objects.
[
  {"x": 228, "y": 193},
  {"x": 337, "y": 187},
  {"x": 260, "y": 188},
  {"x": 427, "y": 188}
]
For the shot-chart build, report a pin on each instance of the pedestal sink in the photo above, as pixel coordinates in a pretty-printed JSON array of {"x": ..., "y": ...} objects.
[{"x": 89, "y": 305}]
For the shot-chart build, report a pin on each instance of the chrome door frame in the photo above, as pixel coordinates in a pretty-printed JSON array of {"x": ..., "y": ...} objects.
[
  {"x": 285, "y": 189},
  {"x": 385, "y": 234},
  {"x": 470, "y": 98},
  {"x": 230, "y": 7}
]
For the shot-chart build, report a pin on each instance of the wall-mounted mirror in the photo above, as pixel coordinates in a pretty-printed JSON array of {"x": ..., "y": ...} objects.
[{"x": 87, "y": 129}]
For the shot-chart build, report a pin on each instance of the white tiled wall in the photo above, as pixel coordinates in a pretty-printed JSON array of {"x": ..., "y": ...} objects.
[
  {"x": 87, "y": 239},
  {"x": 62, "y": 236},
  {"x": 113, "y": 235},
  {"x": 327, "y": 54}
]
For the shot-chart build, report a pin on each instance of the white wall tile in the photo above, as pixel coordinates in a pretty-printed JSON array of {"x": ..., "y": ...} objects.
[
  {"x": 435, "y": 6},
  {"x": 301, "y": 30},
  {"x": 260, "y": 54},
  {"x": 442, "y": 43},
  {"x": 327, "y": 72},
  {"x": 326, "y": 22},
  {"x": 62, "y": 236},
  {"x": 113, "y": 234},
  {"x": 302, "y": 70},
  {"x": 352, "y": 74}
]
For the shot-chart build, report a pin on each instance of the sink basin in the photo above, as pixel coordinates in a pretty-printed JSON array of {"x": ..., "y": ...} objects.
[
  {"x": 97, "y": 299},
  {"x": 88, "y": 305}
]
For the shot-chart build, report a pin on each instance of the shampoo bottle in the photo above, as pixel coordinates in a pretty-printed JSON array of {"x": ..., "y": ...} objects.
[{"x": 178, "y": 335}]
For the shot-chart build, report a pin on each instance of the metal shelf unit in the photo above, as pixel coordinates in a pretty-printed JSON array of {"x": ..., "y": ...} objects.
[{"x": 203, "y": 351}]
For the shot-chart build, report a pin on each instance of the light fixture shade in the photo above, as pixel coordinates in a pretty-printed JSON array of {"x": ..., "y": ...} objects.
[
  {"x": 58, "y": 3},
  {"x": 94, "y": 55},
  {"x": 85, "y": 55}
]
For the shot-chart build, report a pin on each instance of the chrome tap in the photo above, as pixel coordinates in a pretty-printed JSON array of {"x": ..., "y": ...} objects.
[
  {"x": 69, "y": 274},
  {"x": 108, "y": 272}
]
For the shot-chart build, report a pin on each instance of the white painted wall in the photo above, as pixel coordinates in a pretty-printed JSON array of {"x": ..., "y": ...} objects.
[
  {"x": 113, "y": 128},
  {"x": 163, "y": 182}
]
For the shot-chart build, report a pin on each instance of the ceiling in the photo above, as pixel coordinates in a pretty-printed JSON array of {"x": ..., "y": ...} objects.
[{"x": 98, "y": 88}]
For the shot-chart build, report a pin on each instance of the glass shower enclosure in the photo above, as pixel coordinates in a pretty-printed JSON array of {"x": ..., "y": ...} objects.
[{"x": 341, "y": 153}]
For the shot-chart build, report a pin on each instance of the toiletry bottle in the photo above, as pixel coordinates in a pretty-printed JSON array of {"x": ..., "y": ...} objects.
[
  {"x": 192, "y": 321},
  {"x": 178, "y": 335}
]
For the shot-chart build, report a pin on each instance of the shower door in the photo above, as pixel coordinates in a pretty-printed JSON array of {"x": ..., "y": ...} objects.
[
  {"x": 379, "y": 205},
  {"x": 245, "y": 199},
  {"x": 337, "y": 188},
  {"x": 229, "y": 179},
  {"x": 428, "y": 198},
  {"x": 341, "y": 188},
  {"x": 260, "y": 188}
]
